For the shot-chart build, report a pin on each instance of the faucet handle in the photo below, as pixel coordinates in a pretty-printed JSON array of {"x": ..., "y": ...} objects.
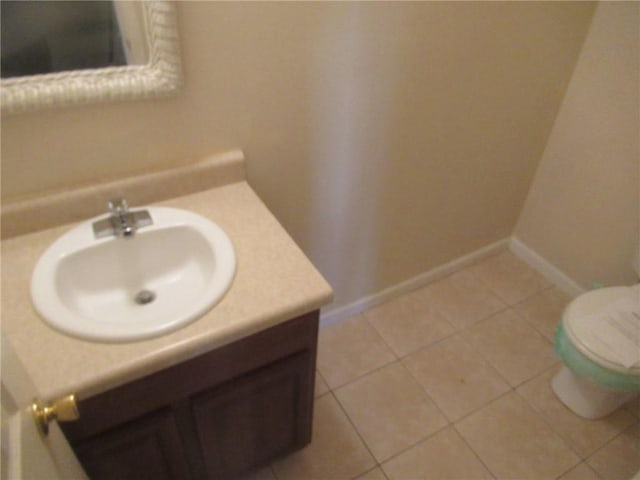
[{"x": 118, "y": 206}]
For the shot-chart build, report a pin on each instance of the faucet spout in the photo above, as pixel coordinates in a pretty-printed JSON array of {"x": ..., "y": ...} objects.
[{"x": 122, "y": 222}]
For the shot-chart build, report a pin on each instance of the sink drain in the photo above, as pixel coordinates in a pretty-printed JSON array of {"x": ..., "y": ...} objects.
[{"x": 144, "y": 296}]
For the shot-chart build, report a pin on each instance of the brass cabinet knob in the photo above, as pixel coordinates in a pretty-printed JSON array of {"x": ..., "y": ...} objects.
[{"x": 64, "y": 409}]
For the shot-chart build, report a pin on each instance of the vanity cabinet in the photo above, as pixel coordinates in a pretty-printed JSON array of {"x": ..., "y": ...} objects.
[{"x": 215, "y": 416}]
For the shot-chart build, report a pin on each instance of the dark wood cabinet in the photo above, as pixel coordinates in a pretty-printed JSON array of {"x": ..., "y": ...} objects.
[
  {"x": 147, "y": 448},
  {"x": 253, "y": 420},
  {"x": 216, "y": 416}
]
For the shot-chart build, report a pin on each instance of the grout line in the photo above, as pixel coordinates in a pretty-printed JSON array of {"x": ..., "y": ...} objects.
[
  {"x": 403, "y": 356},
  {"x": 430, "y": 345},
  {"x": 418, "y": 442},
  {"x": 379, "y": 367},
  {"x": 360, "y": 377},
  {"x": 323, "y": 395},
  {"x": 523, "y": 261},
  {"x": 484, "y": 405},
  {"x": 428, "y": 397},
  {"x": 489, "y": 365},
  {"x": 635, "y": 424},
  {"x": 484, "y": 319},
  {"x": 547, "y": 421},
  {"x": 473, "y": 450},
  {"x": 319, "y": 374},
  {"x": 379, "y": 467},
  {"x": 582, "y": 462},
  {"x": 379, "y": 335},
  {"x": 346, "y": 414}
]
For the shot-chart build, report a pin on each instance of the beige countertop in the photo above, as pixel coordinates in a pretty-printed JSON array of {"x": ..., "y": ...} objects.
[{"x": 274, "y": 282}]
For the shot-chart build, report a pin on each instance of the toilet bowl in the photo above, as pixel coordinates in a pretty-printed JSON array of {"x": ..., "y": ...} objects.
[{"x": 598, "y": 340}]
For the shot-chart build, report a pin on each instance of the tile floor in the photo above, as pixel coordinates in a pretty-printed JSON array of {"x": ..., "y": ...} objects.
[{"x": 452, "y": 382}]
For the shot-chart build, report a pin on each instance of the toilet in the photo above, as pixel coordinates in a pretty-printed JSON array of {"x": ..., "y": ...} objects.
[{"x": 598, "y": 340}]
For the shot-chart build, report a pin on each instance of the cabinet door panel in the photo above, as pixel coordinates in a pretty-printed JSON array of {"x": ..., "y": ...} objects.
[
  {"x": 149, "y": 448},
  {"x": 248, "y": 422}
]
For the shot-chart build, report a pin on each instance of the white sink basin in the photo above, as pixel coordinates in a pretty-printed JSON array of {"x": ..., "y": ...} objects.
[{"x": 116, "y": 290}]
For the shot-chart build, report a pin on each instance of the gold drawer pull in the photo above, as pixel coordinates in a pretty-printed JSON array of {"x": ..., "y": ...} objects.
[{"x": 64, "y": 409}]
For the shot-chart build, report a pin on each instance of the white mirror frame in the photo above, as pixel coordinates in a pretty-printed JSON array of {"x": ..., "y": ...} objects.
[{"x": 161, "y": 76}]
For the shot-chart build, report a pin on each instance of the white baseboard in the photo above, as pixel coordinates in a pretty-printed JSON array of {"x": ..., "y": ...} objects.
[
  {"x": 545, "y": 268},
  {"x": 522, "y": 251},
  {"x": 333, "y": 315}
]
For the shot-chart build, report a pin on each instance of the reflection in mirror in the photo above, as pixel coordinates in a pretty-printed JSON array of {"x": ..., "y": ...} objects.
[
  {"x": 60, "y": 52},
  {"x": 45, "y": 37}
]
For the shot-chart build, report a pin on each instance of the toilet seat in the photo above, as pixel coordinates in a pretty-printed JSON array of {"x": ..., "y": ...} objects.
[{"x": 576, "y": 327}]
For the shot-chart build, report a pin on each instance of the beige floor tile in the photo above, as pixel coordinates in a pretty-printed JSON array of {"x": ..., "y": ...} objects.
[
  {"x": 321, "y": 386},
  {"x": 544, "y": 310},
  {"x": 409, "y": 323},
  {"x": 456, "y": 376},
  {"x": 513, "y": 441},
  {"x": 620, "y": 458},
  {"x": 349, "y": 349},
  {"x": 375, "y": 474},
  {"x": 390, "y": 410},
  {"x": 581, "y": 471},
  {"x": 509, "y": 277},
  {"x": 511, "y": 346},
  {"x": 442, "y": 456},
  {"x": 584, "y": 436},
  {"x": 463, "y": 299},
  {"x": 336, "y": 451}
]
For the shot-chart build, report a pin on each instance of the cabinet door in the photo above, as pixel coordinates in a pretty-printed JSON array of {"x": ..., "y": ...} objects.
[
  {"x": 250, "y": 421},
  {"x": 148, "y": 448}
]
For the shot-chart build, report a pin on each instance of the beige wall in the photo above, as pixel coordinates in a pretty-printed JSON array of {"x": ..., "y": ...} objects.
[
  {"x": 388, "y": 138},
  {"x": 583, "y": 211}
]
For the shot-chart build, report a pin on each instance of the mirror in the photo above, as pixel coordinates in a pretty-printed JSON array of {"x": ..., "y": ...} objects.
[
  {"x": 57, "y": 53},
  {"x": 67, "y": 35}
]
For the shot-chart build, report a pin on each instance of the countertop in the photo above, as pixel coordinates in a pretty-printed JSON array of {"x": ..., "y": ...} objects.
[{"x": 274, "y": 282}]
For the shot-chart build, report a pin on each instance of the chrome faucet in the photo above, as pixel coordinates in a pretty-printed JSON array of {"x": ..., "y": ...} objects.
[{"x": 122, "y": 222}]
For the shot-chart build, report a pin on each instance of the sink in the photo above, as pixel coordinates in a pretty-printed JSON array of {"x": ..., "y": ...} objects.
[{"x": 116, "y": 289}]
